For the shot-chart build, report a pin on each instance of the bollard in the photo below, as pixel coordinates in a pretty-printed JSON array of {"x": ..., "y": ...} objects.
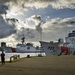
[
  {"x": 14, "y": 57},
  {"x": 28, "y": 56}
]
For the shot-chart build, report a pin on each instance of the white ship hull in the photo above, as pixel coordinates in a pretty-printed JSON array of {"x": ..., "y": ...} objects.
[{"x": 50, "y": 48}]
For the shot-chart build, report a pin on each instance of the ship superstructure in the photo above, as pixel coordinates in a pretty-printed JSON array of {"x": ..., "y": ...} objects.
[
  {"x": 70, "y": 40},
  {"x": 26, "y": 47}
]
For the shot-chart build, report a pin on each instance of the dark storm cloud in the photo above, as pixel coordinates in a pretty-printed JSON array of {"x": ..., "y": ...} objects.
[
  {"x": 3, "y": 9},
  {"x": 4, "y": 1},
  {"x": 5, "y": 33},
  {"x": 6, "y": 29}
]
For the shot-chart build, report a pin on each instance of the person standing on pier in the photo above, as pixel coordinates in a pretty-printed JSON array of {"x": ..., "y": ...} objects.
[{"x": 2, "y": 58}]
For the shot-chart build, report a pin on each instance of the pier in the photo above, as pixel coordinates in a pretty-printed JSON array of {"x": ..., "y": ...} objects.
[{"x": 47, "y": 65}]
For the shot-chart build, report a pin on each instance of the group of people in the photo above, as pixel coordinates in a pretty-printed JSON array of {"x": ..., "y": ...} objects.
[{"x": 2, "y": 57}]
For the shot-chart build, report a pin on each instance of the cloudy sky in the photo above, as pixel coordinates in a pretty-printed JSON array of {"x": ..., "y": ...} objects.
[{"x": 53, "y": 19}]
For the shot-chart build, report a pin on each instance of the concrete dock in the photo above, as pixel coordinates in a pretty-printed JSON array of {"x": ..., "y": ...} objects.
[{"x": 47, "y": 65}]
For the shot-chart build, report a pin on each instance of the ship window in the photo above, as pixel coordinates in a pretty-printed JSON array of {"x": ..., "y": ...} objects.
[
  {"x": 50, "y": 48},
  {"x": 28, "y": 47}
]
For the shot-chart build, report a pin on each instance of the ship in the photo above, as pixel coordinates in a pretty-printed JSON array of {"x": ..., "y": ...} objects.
[
  {"x": 27, "y": 47},
  {"x": 60, "y": 47},
  {"x": 51, "y": 48},
  {"x": 46, "y": 48},
  {"x": 70, "y": 39},
  {"x": 22, "y": 50},
  {"x": 21, "y": 47}
]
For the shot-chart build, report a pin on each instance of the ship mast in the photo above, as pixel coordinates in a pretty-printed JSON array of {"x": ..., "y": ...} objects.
[{"x": 23, "y": 39}]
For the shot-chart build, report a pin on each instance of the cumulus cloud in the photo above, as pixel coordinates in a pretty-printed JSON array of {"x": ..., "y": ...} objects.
[
  {"x": 50, "y": 28},
  {"x": 34, "y": 20},
  {"x": 18, "y": 5},
  {"x": 29, "y": 34},
  {"x": 59, "y": 4},
  {"x": 31, "y": 31},
  {"x": 38, "y": 22},
  {"x": 58, "y": 22},
  {"x": 58, "y": 28}
]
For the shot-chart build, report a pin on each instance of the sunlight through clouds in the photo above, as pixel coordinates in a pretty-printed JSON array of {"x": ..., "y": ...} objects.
[{"x": 32, "y": 17}]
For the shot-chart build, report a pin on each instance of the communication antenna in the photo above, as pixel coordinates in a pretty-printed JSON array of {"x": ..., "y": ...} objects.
[
  {"x": 41, "y": 36},
  {"x": 23, "y": 39}
]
